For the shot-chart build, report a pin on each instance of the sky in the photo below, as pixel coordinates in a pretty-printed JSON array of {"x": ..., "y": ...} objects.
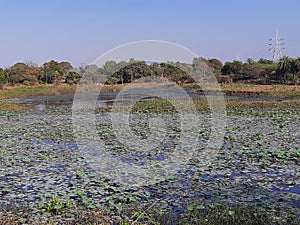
[{"x": 79, "y": 31}]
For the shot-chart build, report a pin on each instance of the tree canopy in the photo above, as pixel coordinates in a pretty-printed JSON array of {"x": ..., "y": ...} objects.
[{"x": 262, "y": 71}]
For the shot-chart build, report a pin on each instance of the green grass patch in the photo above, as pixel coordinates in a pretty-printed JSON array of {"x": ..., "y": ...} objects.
[
  {"x": 201, "y": 104},
  {"x": 9, "y": 106},
  {"x": 22, "y": 91}
]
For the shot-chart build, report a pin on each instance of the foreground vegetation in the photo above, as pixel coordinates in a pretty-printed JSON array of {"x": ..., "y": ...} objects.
[
  {"x": 81, "y": 207},
  {"x": 213, "y": 214},
  {"x": 249, "y": 183}
]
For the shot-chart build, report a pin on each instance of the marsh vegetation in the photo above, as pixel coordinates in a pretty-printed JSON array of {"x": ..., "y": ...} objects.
[{"x": 254, "y": 178}]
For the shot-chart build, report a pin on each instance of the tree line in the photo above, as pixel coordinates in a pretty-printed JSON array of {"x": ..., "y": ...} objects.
[
  {"x": 263, "y": 71},
  {"x": 29, "y": 73}
]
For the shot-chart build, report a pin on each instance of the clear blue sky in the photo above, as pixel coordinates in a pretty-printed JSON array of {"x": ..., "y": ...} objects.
[{"x": 79, "y": 31}]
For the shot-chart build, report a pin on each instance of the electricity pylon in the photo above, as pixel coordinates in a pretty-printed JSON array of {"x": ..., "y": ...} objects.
[{"x": 276, "y": 46}]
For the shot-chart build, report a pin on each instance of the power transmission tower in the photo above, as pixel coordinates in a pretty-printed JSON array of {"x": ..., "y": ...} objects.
[{"x": 276, "y": 46}]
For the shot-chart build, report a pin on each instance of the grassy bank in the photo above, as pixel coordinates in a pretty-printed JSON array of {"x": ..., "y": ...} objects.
[
  {"x": 291, "y": 92},
  {"x": 23, "y": 91},
  {"x": 201, "y": 104},
  {"x": 269, "y": 90}
]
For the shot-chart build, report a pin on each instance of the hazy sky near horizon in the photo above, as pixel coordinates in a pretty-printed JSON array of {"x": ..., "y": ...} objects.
[{"x": 79, "y": 31}]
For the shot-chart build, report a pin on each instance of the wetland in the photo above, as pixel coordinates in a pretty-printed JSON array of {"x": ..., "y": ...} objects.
[{"x": 45, "y": 178}]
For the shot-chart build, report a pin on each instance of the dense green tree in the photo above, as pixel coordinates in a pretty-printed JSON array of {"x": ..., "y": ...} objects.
[
  {"x": 264, "y": 61},
  {"x": 2, "y": 78},
  {"x": 250, "y": 61},
  {"x": 72, "y": 77},
  {"x": 231, "y": 68},
  {"x": 65, "y": 66},
  {"x": 121, "y": 65},
  {"x": 49, "y": 69},
  {"x": 252, "y": 71},
  {"x": 20, "y": 73},
  {"x": 174, "y": 71},
  {"x": 106, "y": 72},
  {"x": 132, "y": 72},
  {"x": 284, "y": 68},
  {"x": 55, "y": 72},
  {"x": 171, "y": 70},
  {"x": 91, "y": 73},
  {"x": 216, "y": 65},
  {"x": 157, "y": 69},
  {"x": 110, "y": 67},
  {"x": 295, "y": 69}
]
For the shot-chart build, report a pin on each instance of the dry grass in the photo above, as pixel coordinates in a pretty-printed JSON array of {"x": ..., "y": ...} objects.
[
  {"x": 271, "y": 90},
  {"x": 8, "y": 106},
  {"x": 161, "y": 105},
  {"x": 218, "y": 214},
  {"x": 230, "y": 89},
  {"x": 237, "y": 104},
  {"x": 22, "y": 90}
]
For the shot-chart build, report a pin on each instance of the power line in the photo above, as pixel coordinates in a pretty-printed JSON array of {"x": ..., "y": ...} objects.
[{"x": 276, "y": 46}]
